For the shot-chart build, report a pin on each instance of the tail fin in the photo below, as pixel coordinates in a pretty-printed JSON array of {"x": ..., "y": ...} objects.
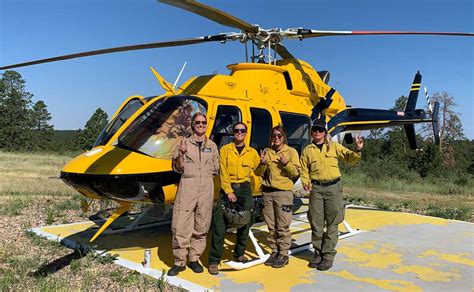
[
  {"x": 435, "y": 122},
  {"x": 415, "y": 89},
  {"x": 411, "y": 105}
]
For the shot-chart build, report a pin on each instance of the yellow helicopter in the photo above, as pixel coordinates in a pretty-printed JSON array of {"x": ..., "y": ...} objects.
[{"x": 130, "y": 162}]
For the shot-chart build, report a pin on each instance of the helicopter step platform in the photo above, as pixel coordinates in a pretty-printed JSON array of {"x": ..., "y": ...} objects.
[{"x": 397, "y": 251}]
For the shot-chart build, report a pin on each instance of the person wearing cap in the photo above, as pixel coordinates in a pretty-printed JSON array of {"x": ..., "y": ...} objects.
[
  {"x": 197, "y": 158},
  {"x": 237, "y": 162},
  {"x": 279, "y": 166},
  {"x": 320, "y": 176}
]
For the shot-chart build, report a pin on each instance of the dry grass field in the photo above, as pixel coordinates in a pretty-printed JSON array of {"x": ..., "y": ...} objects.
[{"x": 31, "y": 195}]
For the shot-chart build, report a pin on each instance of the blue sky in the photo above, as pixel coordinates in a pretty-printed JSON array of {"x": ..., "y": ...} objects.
[{"x": 369, "y": 71}]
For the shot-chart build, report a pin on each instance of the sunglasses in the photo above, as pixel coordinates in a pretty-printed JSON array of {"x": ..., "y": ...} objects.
[
  {"x": 318, "y": 130},
  {"x": 200, "y": 122},
  {"x": 243, "y": 131},
  {"x": 279, "y": 136}
]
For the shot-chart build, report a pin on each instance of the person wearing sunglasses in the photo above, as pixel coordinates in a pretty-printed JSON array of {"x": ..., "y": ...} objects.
[
  {"x": 279, "y": 166},
  {"x": 237, "y": 162},
  {"x": 197, "y": 158},
  {"x": 320, "y": 176}
]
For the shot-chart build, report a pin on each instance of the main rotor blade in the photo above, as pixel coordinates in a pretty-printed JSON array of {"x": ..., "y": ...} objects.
[
  {"x": 283, "y": 52},
  {"x": 212, "y": 14},
  {"x": 184, "y": 42},
  {"x": 310, "y": 33}
]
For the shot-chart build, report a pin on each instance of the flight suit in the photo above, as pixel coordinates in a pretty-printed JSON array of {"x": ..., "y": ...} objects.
[
  {"x": 192, "y": 211},
  {"x": 278, "y": 196},
  {"x": 235, "y": 171},
  {"x": 321, "y": 169}
]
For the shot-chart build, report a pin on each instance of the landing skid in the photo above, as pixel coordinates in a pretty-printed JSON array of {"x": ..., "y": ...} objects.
[
  {"x": 138, "y": 223},
  {"x": 262, "y": 257}
]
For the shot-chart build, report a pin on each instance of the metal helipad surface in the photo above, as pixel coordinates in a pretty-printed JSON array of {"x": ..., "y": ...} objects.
[{"x": 397, "y": 252}]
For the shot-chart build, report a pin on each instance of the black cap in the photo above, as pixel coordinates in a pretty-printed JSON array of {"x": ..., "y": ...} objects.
[{"x": 319, "y": 124}]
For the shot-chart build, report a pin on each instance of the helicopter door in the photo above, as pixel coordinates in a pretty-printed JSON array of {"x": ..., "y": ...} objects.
[
  {"x": 297, "y": 129},
  {"x": 226, "y": 117},
  {"x": 261, "y": 127}
]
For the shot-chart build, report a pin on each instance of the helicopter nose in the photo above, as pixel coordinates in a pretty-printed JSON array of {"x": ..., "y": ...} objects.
[{"x": 120, "y": 174}]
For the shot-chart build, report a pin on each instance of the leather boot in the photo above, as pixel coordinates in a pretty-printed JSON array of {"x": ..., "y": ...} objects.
[
  {"x": 196, "y": 267},
  {"x": 325, "y": 264},
  {"x": 213, "y": 269},
  {"x": 271, "y": 259},
  {"x": 174, "y": 271},
  {"x": 315, "y": 261},
  {"x": 281, "y": 261}
]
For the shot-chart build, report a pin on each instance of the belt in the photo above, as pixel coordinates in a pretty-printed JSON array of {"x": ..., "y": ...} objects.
[
  {"x": 325, "y": 183},
  {"x": 269, "y": 189},
  {"x": 240, "y": 185}
]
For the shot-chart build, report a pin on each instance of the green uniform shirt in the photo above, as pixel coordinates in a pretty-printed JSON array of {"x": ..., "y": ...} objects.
[
  {"x": 236, "y": 167},
  {"x": 275, "y": 174},
  {"x": 322, "y": 165}
]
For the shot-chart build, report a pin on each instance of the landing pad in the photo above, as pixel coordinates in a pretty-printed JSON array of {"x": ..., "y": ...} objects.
[{"x": 396, "y": 252}]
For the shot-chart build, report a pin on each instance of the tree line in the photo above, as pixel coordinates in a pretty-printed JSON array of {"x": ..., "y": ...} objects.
[
  {"x": 387, "y": 153},
  {"x": 25, "y": 125}
]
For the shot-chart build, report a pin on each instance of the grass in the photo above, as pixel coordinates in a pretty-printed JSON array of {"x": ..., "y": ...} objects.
[
  {"x": 32, "y": 195},
  {"x": 443, "y": 199}
]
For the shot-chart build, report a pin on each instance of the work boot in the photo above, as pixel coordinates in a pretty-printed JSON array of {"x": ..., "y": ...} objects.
[
  {"x": 213, "y": 269},
  {"x": 325, "y": 264},
  {"x": 271, "y": 259},
  {"x": 196, "y": 267},
  {"x": 315, "y": 261},
  {"x": 174, "y": 271},
  {"x": 241, "y": 259},
  {"x": 281, "y": 261}
]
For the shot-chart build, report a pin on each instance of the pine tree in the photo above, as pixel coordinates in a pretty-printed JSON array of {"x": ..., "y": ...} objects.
[
  {"x": 15, "y": 102},
  {"x": 92, "y": 129},
  {"x": 42, "y": 131}
]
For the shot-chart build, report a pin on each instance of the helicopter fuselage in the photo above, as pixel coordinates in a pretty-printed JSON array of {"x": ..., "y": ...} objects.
[{"x": 131, "y": 160}]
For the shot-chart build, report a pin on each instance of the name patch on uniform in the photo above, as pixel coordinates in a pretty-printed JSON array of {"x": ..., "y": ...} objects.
[{"x": 206, "y": 149}]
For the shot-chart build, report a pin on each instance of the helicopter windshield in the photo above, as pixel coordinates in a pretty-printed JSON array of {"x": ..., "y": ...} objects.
[
  {"x": 157, "y": 130},
  {"x": 117, "y": 122}
]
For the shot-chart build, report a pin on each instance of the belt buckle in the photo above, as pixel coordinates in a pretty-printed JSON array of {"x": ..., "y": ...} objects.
[{"x": 237, "y": 185}]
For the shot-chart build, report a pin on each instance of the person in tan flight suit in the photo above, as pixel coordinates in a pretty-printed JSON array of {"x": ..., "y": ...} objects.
[
  {"x": 279, "y": 165},
  {"x": 197, "y": 158}
]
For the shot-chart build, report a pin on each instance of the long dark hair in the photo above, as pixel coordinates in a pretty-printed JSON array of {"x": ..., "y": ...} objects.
[{"x": 282, "y": 130}]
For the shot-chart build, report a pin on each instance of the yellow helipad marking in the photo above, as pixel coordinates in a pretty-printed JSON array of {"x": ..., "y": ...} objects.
[
  {"x": 370, "y": 254},
  {"x": 428, "y": 274},
  {"x": 371, "y": 220},
  {"x": 394, "y": 285},
  {"x": 461, "y": 258}
]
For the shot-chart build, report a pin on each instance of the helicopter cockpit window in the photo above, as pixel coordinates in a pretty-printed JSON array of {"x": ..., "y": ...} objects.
[
  {"x": 157, "y": 131},
  {"x": 297, "y": 128},
  {"x": 261, "y": 128},
  {"x": 226, "y": 117},
  {"x": 117, "y": 122}
]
